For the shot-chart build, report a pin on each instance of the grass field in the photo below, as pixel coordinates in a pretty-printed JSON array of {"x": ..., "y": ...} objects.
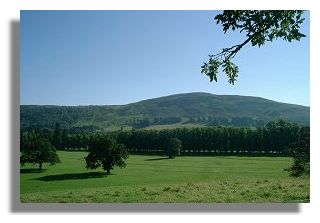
[{"x": 157, "y": 179}]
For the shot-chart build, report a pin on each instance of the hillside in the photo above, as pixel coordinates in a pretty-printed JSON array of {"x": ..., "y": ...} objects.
[{"x": 176, "y": 110}]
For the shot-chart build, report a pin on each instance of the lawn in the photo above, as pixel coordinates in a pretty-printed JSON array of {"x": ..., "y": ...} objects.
[{"x": 158, "y": 179}]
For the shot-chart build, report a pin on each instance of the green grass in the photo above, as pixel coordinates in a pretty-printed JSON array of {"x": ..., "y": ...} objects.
[
  {"x": 157, "y": 179},
  {"x": 174, "y": 126}
]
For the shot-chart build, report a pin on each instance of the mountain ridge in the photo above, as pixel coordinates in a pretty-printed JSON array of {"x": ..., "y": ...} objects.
[
  {"x": 186, "y": 108},
  {"x": 235, "y": 95}
]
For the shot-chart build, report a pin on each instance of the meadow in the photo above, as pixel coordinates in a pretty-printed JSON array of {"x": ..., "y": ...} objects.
[{"x": 185, "y": 179}]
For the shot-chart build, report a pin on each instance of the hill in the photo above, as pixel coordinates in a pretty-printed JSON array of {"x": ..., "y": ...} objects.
[{"x": 190, "y": 109}]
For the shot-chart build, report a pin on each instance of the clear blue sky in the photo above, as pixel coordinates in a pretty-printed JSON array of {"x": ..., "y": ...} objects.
[{"x": 118, "y": 57}]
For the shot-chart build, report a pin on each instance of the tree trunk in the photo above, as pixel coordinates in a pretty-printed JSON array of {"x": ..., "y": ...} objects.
[
  {"x": 40, "y": 166},
  {"x": 108, "y": 171}
]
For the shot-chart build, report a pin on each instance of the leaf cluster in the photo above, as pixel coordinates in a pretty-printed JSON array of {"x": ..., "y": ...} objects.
[
  {"x": 260, "y": 26},
  {"x": 263, "y": 25}
]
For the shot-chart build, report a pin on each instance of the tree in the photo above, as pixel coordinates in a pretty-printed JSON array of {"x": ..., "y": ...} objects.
[
  {"x": 174, "y": 147},
  {"x": 260, "y": 26},
  {"x": 37, "y": 150},
  {"x": 105, "y": 152},
  {"x": 301, "y": 154}
]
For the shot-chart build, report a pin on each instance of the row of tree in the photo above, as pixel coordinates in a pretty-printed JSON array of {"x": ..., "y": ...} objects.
[
  {"x": 278, "y": 138},
  {"x": 275, "y": 138}
]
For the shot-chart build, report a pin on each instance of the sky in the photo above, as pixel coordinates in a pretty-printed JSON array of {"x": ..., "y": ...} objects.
[{"x": 120, "y": 57}]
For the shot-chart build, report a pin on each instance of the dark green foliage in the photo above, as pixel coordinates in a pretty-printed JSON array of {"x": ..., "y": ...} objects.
[
  {"x": 105, "y": 152},
  {"x": 260, "y": 26},
  {"x": 111, "y": 149},
  {"x": 138, "y": 124},
  {"x": 37, "y": 150},
  {"x": 301, "y": 162},
  {"x": 301, "y": 154},
  {"x": 279, "y": 138},
  {"x": 274, "y": 139},
  {"x": 57, "y": 136},
  {"x": 195, "y": 108},
  {"x": 174, "y": 147},
  {"x": 64, "y": 138}
]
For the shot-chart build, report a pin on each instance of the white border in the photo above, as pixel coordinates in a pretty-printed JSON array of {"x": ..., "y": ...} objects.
[{"x": 10, "y": 11}]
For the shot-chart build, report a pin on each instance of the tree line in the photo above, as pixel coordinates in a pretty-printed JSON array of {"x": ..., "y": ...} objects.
[{"x": 275, "y": 138}]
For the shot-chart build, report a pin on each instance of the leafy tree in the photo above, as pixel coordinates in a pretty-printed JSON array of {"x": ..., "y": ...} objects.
[
  {"x": 174, "y": 147},
  {"x": 37, "y": 150},
  {"x": 301, "y": 155},
  {"x": 260, "y": 26},
  {"x": 104, "y": 151}
]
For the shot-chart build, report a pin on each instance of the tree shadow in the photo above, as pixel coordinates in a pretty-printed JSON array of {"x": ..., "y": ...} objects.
[
  {"x": 32, "y": 170},
  {"x": 72, "y": 176},
  {"x": 155, "y": 159}
]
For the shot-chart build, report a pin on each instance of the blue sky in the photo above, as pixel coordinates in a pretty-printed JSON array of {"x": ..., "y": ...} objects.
[{"x": 119, "y": 57}]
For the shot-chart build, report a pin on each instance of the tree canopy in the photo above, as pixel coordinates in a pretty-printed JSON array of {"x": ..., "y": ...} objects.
[
  {"x": 174, "y": 147},
  {"x": 301, "y": 155},
  {"x": 37, "y": 150},
  {"x": 260, "y": 26},
  {"x": 104, "y": 151}
]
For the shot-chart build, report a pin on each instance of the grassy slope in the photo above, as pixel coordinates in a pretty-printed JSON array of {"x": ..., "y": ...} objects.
[
  {"x": 173, "y": 126},
  {"x": 180, "y": 105},
  {"x": 153, "y": 179}
]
